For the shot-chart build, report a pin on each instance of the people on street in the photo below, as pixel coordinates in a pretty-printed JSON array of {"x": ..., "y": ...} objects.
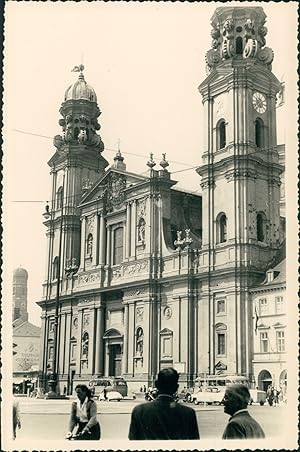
[
  {"x": 240, "y": 425},
  {"x": 16, "y": 417},
  {"x": 83, "y": 421},
  {"x": 270, "y": 395},
  {"x": 163, "y": 418}
]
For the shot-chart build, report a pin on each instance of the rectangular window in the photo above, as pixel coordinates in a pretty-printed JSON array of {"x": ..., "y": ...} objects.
[
  {"x": 280, "y": 340},
  {"x": 118, "y": 246},
  {"x": 51, "y": 326},
  {"x": 264, "y": 342},
  {"x": 73, "y": 351},
  {"x": 167, "y": 346},
  {"x": 221, "y": 344},
  {"x": 263, "y": 306},
  {"x": 279, "y": 305},
  {"x": 220, "y": 306}
]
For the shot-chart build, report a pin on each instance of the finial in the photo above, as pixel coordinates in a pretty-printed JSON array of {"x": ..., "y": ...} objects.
[
  {"x": 164, "y": 163},
  {"x": 151, "y": 163},
  {"x": 79, "y": 68},
  {"x": 119, "y": 156}
]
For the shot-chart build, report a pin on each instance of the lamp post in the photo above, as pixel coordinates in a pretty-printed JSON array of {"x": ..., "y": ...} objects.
[{"x": 52, "y": 378}]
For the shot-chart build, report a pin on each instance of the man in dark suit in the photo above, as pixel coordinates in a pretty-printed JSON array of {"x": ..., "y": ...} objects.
[
  {"x": 163, "y": 418},
  {"x": 240, "y": 425}
]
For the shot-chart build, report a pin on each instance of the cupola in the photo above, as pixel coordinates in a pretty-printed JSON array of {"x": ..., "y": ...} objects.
[
  {"x": 80, "y": 90},
  {"x": 79, "y": 121}
]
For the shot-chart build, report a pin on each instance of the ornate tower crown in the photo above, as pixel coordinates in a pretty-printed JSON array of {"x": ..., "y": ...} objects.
[
  {"x": 238, "y": 34},
  {"x": 80, "y": 112}
]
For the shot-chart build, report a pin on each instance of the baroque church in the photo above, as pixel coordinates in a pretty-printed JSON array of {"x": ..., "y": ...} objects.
[{"x": 141, "y": 275}]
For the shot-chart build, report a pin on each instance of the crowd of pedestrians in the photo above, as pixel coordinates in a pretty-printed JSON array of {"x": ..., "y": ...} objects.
[{"x": 163, "y": 418}]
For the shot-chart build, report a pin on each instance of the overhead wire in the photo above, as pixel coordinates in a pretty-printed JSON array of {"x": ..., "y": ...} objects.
[{"x": 107, "y": 149}]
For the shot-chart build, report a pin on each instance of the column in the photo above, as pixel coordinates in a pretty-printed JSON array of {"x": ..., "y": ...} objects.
[
  {"x": 102, "y": 241},
  {"x": 125, "y": 340},
  {"x": 82, "y": 243},
  {"x": 148, "y": 220},
  {"x": 96, "y": 240},
  {"x": 78, "y": 361},
  {"x": 128, "y": 230},
  {"x": 99, "y": 346},
  {"x": 133, "y": 229},
  {"x": 130, "y": 338},
  {"x": 108, "y": 246},
  {"x": 62, "y": 343}
]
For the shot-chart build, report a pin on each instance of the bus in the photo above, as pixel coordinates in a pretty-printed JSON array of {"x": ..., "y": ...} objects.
[{"x": 219, "y": 382}]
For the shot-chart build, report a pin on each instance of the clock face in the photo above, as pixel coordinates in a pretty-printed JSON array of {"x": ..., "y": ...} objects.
[{"x": 259, "y": 102}]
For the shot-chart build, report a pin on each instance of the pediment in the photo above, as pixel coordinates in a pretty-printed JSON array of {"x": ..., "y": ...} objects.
[
  {"x": 220, "y": 366},
  {"x": 112, "y": 333},
  {"x": 27, "y": 329},
  {"x": 166, "y": 331},
  {"x": 112, "y": 186},
  {"x": 217, "y": 74}
]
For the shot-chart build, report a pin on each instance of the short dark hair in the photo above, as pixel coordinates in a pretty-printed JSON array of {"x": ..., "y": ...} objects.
[
  {"x": 85, "y": 389},
  {"x": 167, "y": 380},
  {"x": 241, "y": 394}
]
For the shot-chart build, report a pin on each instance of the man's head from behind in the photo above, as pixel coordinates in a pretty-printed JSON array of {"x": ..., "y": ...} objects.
[
  {"x": 237, "y": 397},
  {"x": 167, "y": 381}
]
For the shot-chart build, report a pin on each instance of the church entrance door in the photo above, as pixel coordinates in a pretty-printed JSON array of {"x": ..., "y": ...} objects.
[{"x": 115, "y": 360}]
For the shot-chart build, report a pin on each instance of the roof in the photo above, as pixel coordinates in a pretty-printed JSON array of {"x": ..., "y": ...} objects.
[
  {"x": 26, "y": 329},
  {"x": 20, "y": 272}
]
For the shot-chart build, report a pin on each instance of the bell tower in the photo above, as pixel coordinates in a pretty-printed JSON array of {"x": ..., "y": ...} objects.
[
  {"x": 240, "y": 170},
  {"x": 75, "y": 167}
]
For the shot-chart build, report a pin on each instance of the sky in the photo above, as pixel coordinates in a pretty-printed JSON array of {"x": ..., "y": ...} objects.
[{"x": 145, "y": 62}]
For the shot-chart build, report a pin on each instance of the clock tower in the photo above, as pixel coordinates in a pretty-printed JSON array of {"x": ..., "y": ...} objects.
[{"x": 240, "y": 175}]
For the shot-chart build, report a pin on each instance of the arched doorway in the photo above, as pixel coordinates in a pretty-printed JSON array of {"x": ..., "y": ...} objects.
[
  {"x": 264, "y": 380},
  {"x": 114, "y": 352},
  {"x": 283, "y": 382}
]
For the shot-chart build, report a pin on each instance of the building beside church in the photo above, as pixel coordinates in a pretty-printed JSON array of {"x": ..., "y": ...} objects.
[
  {"x": 141, "y": 275},
  {"x": 26, "y": 337}
]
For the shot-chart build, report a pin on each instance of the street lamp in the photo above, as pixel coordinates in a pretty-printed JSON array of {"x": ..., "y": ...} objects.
[{"x": 52, "y": 377}]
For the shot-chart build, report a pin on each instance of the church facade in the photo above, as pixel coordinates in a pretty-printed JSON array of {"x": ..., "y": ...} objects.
[{"x": 141, "y": 275}]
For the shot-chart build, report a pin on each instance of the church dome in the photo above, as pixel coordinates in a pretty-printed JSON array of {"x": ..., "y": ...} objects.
[
  {"x": 21, "y": 272},
  {"x": 80, "y": 90}
]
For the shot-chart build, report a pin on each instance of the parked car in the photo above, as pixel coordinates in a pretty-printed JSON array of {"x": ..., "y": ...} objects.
[
  {"x": 209, "y": 395},
  {"x": 258, "y": 396},
  {"x": 102, "y": 386},
  {"x": 110, "y": 395}
]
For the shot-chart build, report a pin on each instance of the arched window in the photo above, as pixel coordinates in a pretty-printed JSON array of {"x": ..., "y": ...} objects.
[
  {"x": 139, "y": 341},
  {"x": 239, "y": 45},
  {"x": 221, "y": 228},
  {"x": 118, "y": 246},
  {"x": 59, "y": 198},
  {"x": 85, "y": 345},
  {"x": 89, "y": 245},
  {"x": 221, "y": 134},
  {"x": 260, "y": 227},
  {"x": 259, "y": 133},
  {"x": 55, "y": 268}
]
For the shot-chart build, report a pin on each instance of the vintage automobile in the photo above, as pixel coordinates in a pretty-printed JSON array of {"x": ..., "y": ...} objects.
[
  {"x": 209, "y": 395},
  {"x": 110, "y": 395},
  {"x": 108, "y": 388},
  {"x": 258, "y": 396}
]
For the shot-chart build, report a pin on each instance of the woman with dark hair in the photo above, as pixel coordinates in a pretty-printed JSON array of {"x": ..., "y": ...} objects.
[{"x": 83, "y": 421}]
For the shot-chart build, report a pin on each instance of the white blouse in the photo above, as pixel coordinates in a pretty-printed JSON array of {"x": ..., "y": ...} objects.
[{"x": 81, "y": 411}]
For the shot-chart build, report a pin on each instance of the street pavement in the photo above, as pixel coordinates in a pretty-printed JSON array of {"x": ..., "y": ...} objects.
[{"x": 48, "y": 419}]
